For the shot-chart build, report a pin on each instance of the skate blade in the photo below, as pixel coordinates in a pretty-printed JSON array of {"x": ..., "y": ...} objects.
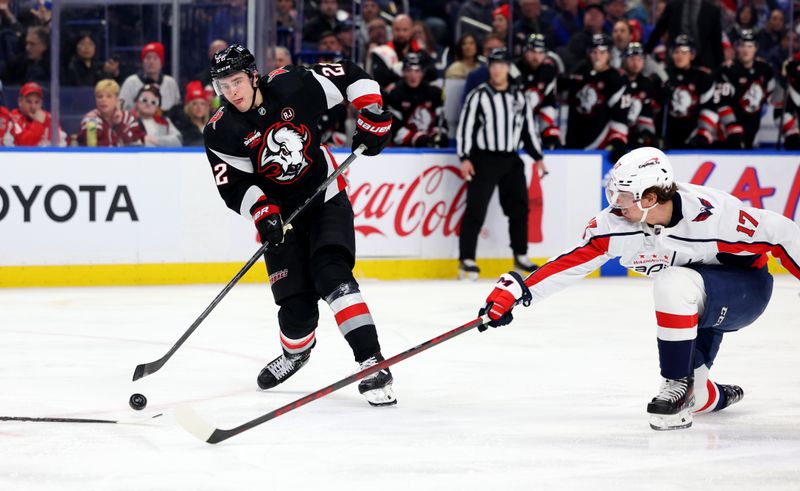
[
  {"x": 381, "y": 397},
  {"x": 666, "y": 422}
]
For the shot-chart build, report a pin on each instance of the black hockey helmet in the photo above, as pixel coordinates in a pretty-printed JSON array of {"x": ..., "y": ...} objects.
[
  {"x": 412, "y": 60},
  {"x": 600, "y": 41},
  {"x": 746, "y": 36},
  {"x": 499, "y": 54},
  {"x": 234, "y": 58},
  {"x": 684, "y": 41},
  {"x": 633, "y": 49},
  {"x": 536, "y": 42}
]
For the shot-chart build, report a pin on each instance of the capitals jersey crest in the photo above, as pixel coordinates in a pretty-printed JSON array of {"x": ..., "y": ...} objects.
[{"x": 283, "y": 155}]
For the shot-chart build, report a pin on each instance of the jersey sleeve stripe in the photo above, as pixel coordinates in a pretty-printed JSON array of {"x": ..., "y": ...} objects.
[
  {"x": 364, "y": 92},
  {"x": 596, "y": 247},
  {"x": 241, "y": 163},
  {"x": 761, "y": 249},
  {"x": 332, "y": 94},
  {"x": 253, "y": 194}
]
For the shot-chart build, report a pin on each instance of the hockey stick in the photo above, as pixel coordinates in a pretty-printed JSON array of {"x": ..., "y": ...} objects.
[
  {"x": 146, "y": 369},
  {"x": 29, "y": 419},
  {"x": 191, "y": 421}
]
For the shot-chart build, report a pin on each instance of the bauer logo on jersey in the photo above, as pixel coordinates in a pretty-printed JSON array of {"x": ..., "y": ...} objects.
[{"x": 282, "y": 157}]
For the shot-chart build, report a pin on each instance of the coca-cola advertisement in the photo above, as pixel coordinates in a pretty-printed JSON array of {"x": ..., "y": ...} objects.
[{"x": 411, "y": 205}]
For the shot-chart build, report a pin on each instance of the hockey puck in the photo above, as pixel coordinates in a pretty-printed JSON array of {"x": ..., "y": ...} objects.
[{"x": 138, "y": 402}]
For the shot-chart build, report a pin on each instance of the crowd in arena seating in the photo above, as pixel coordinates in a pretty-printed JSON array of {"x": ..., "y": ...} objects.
[{"x": 676, "y": 73}]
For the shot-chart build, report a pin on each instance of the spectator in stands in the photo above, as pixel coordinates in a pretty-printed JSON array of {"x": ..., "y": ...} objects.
[
  {"x": 378, "y": 37},
  {"x": 344, "y": 34},
  {"x": 324, "y": 21},
  {"x": 204, "y": 75},
  {"x": 780, "y": 53},
  {"x": 501, "y": 17},
  {"x": 386, "y": 65},
  {"x": 770, "y": 36},
  {"x": 423, "y": 35},
  {"x": 621, "y": 36},
  {"x": 708, "y": 39},
  {"x": 8, "y": 21},
  {"x": 34, "y": 64},
  {"x": 191, "y": 121},
  {"x": 728, "y": 53},
  {"x": 614, "y": 10},
  {"x": 481, "y": 74},
  {"x": 370, "y": 10},
  {"x": 108, "y": 125},
  {"x": 152, "y": 64},
  {"x": 476, "y": 10},
  {"x": 529, "y": 20},
  {"x": 84, "y": 69},
  {"x": 466, "y": 54},
  {"x": 282, "y": 57},
  {"x": 5, "y": 116},
  {"x": 30, "y": 124},
  {"x": 329, "y": 48},
  {"x": 286, "y": 15},
  {"x": 159, "y": 130},
  {"x": 746, "y": 20},
  {"x": 567, "y": 22},
  {"x": 39, "y": 15},
  {"x": 416, "y": 106},
  {"x": 580, "y": 42}
]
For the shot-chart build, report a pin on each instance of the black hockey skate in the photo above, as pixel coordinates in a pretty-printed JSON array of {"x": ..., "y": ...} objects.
[
  {"x": 733, "y": 394},
  {"x": 468, "y": 270},
  {"x": 377, "y": 388},
  {"x": 523, "y": 265},
  {"x": 671, "y": 409},
  {"x": 281, "y": 368}
]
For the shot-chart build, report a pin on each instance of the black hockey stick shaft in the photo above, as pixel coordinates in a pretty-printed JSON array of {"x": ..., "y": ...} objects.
[
  {"x": 146, "y": 369},
  {"x": 219, "y": 435},
  {"x": 30, "y": 419}
]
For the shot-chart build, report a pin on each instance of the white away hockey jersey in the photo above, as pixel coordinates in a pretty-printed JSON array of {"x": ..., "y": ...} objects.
[{"x": 715, "y": 228}]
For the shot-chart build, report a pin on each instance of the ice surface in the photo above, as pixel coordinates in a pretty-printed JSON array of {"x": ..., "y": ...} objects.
[{"x": 554, "y": 401}]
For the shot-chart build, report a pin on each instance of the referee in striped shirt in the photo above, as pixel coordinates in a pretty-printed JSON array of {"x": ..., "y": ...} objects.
[{"x": 493, "y": 122}]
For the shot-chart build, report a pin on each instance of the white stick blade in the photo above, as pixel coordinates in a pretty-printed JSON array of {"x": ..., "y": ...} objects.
[{"x": 193, "y": 423}]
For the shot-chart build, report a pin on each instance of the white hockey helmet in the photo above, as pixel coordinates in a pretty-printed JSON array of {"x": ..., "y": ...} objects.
[{"x": 634, "y": 173}]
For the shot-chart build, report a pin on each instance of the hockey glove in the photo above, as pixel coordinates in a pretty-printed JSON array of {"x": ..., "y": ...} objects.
[
  {"x": 551, "y": 142},
  {"x": 509, "y": 290},
  {"x": 267, "y": 217},
  {"x": 699, "y": 142},
  {"x": 735, "y": 141},
  {"x": 373, "y": 129}
]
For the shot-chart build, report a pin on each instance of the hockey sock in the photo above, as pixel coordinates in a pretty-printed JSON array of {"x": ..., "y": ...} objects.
[
  {"x": 354, "y": 320},
  {"x": 677, "y": 293}
]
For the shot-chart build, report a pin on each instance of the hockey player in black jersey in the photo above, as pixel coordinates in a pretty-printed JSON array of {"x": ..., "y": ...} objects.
[
  {"x": 691, "y": 111},
  {"x": 743, "y": 89},
  {"x": 598, "y": 118},
  {"x": 538, "y": 77},
  {"x": 417, "y": 108},
  {"x": 790, "y": 75},
  {"x": 263, "y": 147},
  {"x": 639, "y": 92}
]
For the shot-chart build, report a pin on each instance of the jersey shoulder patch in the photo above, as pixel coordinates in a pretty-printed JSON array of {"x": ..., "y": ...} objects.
[{"x": 216, "y": 117}]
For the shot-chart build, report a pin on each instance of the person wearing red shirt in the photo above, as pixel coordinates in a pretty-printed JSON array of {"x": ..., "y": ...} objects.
[
  {"x": 30, "y": 124},
  {"x": 5, "y": 117},
  {"x": 111, "y": 125}
]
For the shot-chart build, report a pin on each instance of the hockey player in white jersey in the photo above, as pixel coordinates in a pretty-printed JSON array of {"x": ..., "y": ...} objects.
[{"x": 707, "y": 253}]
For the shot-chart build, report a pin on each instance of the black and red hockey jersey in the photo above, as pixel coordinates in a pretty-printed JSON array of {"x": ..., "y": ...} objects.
[
  {"x": 789, "y": 118},
  {"x": 541, "y": 92},
  {"x": 742, "y": 93},
  {"x": 274, "y": 150},
  {"x": 640, "y": 94},
  {"x": 597, "y": 114},
  {"x": 416, "y": 112},
  {"x": 690, "y": 106}
]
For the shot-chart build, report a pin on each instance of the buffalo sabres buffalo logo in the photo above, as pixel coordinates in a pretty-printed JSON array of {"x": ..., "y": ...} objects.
[
  {"x": 588, "y": 98},
  {"x": 282, "y": 157},
  {"x": 751, "y": 101},
  {"x": 682, "y": 102}
]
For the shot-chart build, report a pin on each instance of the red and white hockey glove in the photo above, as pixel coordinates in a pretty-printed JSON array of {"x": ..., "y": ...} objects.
[
  {"x": 509, "y": 290},
  {"x": 267, "y": 217},
  {"x": 373, "y": 129}
]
